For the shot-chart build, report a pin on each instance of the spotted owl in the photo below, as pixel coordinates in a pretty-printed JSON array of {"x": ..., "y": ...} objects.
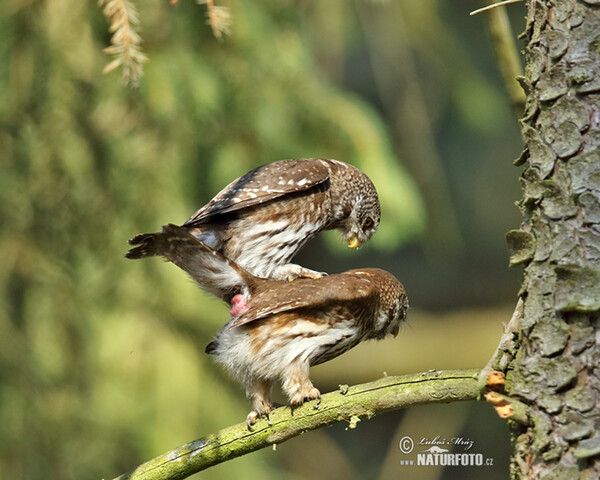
[
  {"x": 277, "y": 329},
  {"x": 263, "y": 218}
]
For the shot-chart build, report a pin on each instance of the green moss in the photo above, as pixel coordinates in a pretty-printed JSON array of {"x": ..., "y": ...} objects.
[
  {"x": 522, "y": 246},
  {"x": 544, "y": 237},
  {"x": 353, "y": 421},
  {"x": 550, "y": 336},
  {"x": 538, "y": 376},
  {"x": 576, "y": 429},
  {"x": 532, "y": 188},
  {"x": 557, "y": 202},
  {"x": 542, "y": 426},
  {"x": 564, "y": 139},
  {"x": 535, "y": 63},
  {"x": 552, "y": 84},
  {"x": 557, "y": 42},
  {"x": 577, "y": 289},
  {"x": 541, "y": 155},
  {"x": 588, "y": 448},
  {"x": 584, "y": 171},
  {"x": 550, "y": 403},
  {"x": 580, "y": 398},
  {"x": 561, "y": 472},
  {"x": 566, "y": 109},
  {"x": 590, "y": 204},
  {"x": 582, "y": 333}
]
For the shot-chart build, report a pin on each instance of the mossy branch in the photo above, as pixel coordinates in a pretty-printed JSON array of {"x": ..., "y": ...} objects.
[{"x": 350, "y": 404}]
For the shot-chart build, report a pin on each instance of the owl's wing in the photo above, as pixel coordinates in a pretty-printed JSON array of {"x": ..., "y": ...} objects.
[
  {"x": 262, "y": 184},
  {"x": 344, "y": 289}
]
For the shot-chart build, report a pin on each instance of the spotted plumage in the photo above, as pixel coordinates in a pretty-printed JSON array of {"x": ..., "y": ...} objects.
[
  {"x": 263, "y": 218},
  {"x": 279, "y": 329}
]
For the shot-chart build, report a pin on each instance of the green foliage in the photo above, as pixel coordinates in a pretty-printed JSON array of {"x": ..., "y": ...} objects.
[{"x": 101, "y": 358}]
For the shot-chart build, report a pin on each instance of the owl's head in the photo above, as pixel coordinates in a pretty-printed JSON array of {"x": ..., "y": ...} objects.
[
  {"x": 392, "y": 306},
  {"x": 356, "y": 210},
  {"x": 364, "y": 217}
]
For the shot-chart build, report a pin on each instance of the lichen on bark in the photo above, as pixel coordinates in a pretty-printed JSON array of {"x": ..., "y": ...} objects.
[{"x": 555, "y": 370}]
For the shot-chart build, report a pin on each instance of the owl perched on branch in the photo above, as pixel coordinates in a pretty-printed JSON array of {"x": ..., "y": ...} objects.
[
  {"x": 279, "y": 329},
  {"x": 263, "y": 218}
]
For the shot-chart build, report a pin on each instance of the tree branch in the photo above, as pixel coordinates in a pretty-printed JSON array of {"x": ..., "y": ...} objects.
[
  {"x": 351, "y": 404},
  {"x": 508, "y": 55}
]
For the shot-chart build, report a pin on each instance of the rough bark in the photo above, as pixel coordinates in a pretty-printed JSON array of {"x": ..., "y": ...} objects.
[{"x": 553, "y": 368}]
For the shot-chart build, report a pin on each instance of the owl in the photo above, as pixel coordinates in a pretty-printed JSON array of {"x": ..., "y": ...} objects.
[
  {"x": 263, "y": 218},
  {"x": 277, "y": 329}
]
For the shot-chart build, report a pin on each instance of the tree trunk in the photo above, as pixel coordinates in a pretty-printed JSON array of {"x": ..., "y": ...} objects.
[{"x": 554, "y": 369}]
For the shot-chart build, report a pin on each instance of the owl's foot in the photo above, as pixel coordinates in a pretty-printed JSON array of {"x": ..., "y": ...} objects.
[
  {"x": 307, "y": 273},
  {"x": 291, "y": 272},
  {"x": 253, "y": 416},
  {"x": 261, "y": 412},
  {"x": 305, "y": 395},
  {"x": 262, "y": 405},
  {"x": 298, "y": 386}
]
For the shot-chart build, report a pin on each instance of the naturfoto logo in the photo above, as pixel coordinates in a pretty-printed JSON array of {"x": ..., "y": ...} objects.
[{"x": 439, "y": 452}]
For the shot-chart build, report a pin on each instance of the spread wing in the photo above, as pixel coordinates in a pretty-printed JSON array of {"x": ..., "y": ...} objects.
[
  {"x": 349, "y": 289},
  {"x": 262, "y": 184}
]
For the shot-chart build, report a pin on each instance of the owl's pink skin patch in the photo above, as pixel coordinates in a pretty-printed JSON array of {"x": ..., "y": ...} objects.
[{"x": 238, "y": 305}]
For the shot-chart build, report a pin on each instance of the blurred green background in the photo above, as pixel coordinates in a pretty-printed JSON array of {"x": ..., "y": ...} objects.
[{"x": 101, "y": 358}]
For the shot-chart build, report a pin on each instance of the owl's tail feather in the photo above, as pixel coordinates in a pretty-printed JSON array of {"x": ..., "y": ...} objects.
[
  {"x": 211, "y": 270},
  {"x": 149, "y": 245}
]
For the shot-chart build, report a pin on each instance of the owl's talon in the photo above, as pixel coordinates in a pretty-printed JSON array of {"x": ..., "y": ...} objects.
[
  {"x": 291, "y": 272},
  {"x": 253, "y": 416},
  {"x": 262, "y": 409},
  {"x": 312, "y": 274},
  {"x": 251, "y": 419},
  {"x": 308, "y": 394}
]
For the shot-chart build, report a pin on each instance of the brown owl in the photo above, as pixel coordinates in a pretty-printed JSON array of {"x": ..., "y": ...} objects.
[
  {"x": 263, "y": 218},
  {"x": 278, "y": 329}
]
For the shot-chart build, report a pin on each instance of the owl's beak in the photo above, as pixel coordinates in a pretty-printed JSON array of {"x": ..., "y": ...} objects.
[{"x": 353, "y": 241}]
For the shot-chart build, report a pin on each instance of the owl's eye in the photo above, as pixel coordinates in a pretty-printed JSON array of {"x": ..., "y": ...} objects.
[{"x": 368, "y": 223}]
